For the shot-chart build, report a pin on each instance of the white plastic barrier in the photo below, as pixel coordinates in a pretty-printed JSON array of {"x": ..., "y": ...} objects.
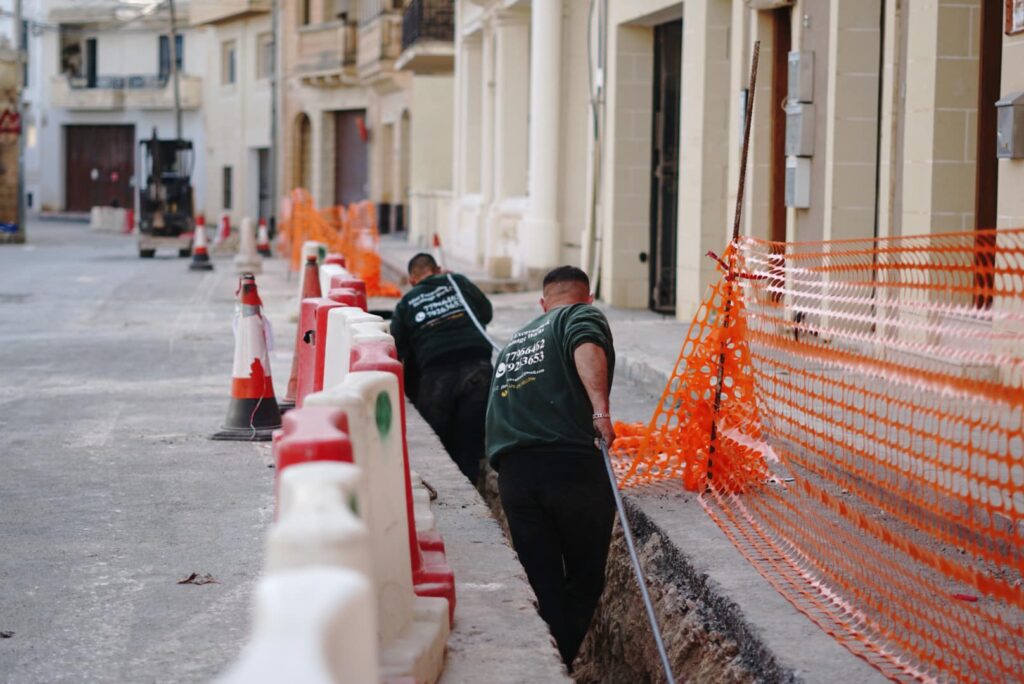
[
  {"x": 314, "y": 626},
  {"x": 248, "y": 259},
  {"x": 317, "y": 519},
  {"x": 339, "y": 341},
  {"x": 328, "y": 271},
  {"x": 413, "y": 629}
]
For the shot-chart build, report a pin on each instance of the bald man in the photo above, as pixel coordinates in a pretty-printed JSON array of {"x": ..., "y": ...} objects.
[{"x": 548, "y": 406}]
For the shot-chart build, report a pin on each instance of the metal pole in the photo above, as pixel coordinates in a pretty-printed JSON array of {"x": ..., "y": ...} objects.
[
  {"x": 752, "y": 88},
  {"x": 22, "y": 68},
  {"x": 272, "y": 219},
  {"x": 174, "y": 71},
  {"x": 627, "y": 532}
]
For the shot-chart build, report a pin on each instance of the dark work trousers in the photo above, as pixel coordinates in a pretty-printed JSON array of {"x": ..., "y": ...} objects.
[
  {"x": 560, "y": 512},
  {"x": 453, "y": 400}
]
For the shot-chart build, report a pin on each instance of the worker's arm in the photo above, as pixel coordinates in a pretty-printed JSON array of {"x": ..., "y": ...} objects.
[{"x": 592, "y": 366}]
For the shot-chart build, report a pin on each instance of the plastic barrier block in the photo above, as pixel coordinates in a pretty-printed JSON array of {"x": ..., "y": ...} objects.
[
  {"x": 312, "y": 324},
  {"x": 430, "y": 540},
  {"x": 315, "y": 625},
  {"x": 380, "y": 355},
  {"x": 317, "y": 434},
  {"x": 317, "y": 521},
  {"x": 348, "y": 280},
  {"x": 413, "y": 628},
  {"x": 346, "y": 295},
  {"x": 327, "y": 271},
  {"x": 338, "y": 350},
  {"x": 324, "y": 307}
]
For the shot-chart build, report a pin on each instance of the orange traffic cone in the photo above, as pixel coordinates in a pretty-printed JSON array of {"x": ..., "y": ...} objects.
[
  {"x": 263, "y": 239},
  {"x": 253, "y": 414},
  {"x": 200, "y": 254},
  {"x": 310, "y": 288}
]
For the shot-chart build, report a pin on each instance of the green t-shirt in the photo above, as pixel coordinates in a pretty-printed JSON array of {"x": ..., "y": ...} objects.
[
  {"x": 430, "y": 324},
  {"x": 537, "y": 400}
]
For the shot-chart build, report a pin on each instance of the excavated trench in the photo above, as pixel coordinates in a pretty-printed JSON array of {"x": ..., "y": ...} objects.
[{"x": 706, "y": 636}]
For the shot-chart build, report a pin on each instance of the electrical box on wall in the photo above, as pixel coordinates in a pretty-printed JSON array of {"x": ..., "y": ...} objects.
[
  {"x": 799, "y": 129},
  {"x": 1010, "y": 126},
  {"x": 801, "y": 76},
  {"x": 798, "y": 182}
]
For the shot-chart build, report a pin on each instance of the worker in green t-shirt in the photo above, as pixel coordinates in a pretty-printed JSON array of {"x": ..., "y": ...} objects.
[
  {"x": 548, "y": 405},
  {"x": 447, "y": 360}
]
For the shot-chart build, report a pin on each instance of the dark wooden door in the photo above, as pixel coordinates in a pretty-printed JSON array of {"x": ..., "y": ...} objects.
[
  {"x": 668, "y": 54},
  {"x": 350, "y": 157},
  {"x": 986, "y": 198},
  {"x": 99, "y": 164},
  {"x": 781, "y": 37},
  {"x": 263, "y": 189}
]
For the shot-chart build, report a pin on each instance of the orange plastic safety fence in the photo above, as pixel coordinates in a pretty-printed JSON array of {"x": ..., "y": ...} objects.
[
  {"x": 360, "y": 247},
  {"x": 351, "y": 232},
  {"x": 866, "y": 448}
]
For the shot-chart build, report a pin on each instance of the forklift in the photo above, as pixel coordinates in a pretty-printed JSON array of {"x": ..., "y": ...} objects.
[{"x": 165, "y": 196}]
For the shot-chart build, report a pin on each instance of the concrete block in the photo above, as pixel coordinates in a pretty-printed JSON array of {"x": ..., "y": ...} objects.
[
  {"x": 107, "y": 219},
  {"x": 315, "y": 626}
]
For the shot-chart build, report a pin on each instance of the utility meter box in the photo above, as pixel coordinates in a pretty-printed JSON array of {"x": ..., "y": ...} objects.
[
  {"x": 799, "y": 129},
  {"x": 798, "y": 182},
  {"x": 801, "y": 76},
  {"x": 1010, "y": 126}
]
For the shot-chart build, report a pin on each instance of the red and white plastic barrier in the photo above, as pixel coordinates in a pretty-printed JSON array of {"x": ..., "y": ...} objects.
[
  {"x": 315, "y": 626},
  {"x": 340, "y": 330}
]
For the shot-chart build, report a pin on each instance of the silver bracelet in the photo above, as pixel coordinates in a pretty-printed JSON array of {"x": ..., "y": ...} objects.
[{"x": 601, "y": 415}]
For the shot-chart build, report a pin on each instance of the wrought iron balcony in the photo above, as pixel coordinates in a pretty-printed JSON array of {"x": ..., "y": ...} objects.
[
  {"x": 424, "y": 20},
  {"x": 428, "y": 33}
]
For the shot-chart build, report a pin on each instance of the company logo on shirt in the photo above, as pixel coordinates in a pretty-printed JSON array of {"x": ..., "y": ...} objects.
[
  {"x": 439, "y": 303},
  {"x": 522, "y": 361}
]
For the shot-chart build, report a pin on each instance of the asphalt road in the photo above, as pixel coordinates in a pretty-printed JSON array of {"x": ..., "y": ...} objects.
[{"x": 113, "y": 372}]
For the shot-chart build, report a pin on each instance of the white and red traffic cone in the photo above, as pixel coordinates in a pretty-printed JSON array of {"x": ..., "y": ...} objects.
[
  {"x": 263, "y": 239},
  {"x": 200, "y": 253},
  {"x": 253, "y": 414}
]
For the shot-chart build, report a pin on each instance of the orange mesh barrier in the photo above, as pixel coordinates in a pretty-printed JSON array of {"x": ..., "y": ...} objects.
[
  {"x": 360, "y": 247},
  {"x": 851, "y": 413},
  {"x": 352, "y": 233}
]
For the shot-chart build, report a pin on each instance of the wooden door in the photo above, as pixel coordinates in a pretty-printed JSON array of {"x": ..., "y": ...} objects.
[
  {"x": 99, "y": 164},
  {"x": 350, "y": 157}
]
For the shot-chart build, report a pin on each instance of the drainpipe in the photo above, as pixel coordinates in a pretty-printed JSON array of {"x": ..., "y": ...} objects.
[{"x": 541, "y": 233}]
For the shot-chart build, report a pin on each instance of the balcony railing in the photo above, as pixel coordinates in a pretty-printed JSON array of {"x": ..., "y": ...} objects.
[
  {"x": 425, "y": 20},
  {"x": 380, "y": 44},
  {"x": 134, "y": 91},
  {"x": 326, "y": 50}
]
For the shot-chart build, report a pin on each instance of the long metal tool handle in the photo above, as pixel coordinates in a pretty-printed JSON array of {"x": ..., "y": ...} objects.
[{"x": 628, "y": 534}]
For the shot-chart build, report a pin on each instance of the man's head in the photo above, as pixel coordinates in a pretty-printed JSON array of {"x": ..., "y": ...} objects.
[
  {"x": 564, "y": 286},
  {"x": 422, "y": 266}
]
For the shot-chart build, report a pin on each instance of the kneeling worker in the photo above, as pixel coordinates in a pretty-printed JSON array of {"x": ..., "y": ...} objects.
[
  {"x": 447, "y": 360},
  {"x": 548, "y": 405}
]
